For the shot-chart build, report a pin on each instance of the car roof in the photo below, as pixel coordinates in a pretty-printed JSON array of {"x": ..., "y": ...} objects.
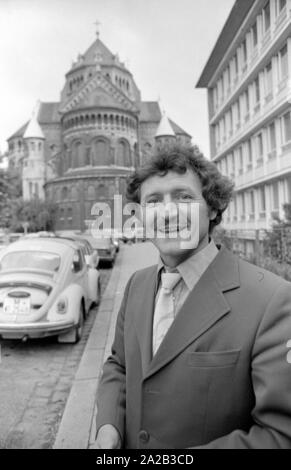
[{"x": 52, "y": 244}]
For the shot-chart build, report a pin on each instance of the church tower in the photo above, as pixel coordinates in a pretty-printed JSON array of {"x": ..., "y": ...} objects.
[
  {"x": 33, "y": 175},
  {"x": 165, "y": 135}
]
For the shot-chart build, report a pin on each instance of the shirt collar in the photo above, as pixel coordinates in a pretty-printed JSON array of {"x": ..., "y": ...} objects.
[{"x": 193, "y": 267}]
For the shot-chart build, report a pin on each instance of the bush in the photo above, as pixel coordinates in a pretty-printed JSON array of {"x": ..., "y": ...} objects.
[{"x": 281, "y": 269}]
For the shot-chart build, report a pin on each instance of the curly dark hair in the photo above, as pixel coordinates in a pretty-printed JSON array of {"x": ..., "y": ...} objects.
[{"x": 217, "y": 190}]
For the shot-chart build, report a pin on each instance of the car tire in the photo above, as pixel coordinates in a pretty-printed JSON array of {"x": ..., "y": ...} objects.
[
  {"x": 98, "y": 293},
  {"x": 80, "y": 327}
]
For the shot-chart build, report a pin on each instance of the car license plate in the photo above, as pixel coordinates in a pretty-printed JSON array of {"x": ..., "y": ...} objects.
[{"x": 17, "y": 306}]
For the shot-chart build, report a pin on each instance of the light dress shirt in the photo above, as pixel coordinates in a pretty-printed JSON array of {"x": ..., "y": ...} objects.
[{"x": 191, "y": 271}]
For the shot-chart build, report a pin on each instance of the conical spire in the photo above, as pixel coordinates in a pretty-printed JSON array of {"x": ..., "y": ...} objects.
[
  {"x": 33, "y": 129},
  {"x": 165, "y": 129}
]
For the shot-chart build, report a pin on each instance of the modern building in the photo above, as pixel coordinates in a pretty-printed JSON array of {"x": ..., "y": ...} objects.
[
  {"x": 248, "y": 79},
  {"x": 81, "y": 149}
]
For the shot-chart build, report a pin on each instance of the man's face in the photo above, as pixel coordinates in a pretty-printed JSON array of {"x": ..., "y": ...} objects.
[{"x": 172, "y": 191}]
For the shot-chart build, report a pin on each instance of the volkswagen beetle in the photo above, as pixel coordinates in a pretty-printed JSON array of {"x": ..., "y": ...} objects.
[{"x": 46, "y": 289}]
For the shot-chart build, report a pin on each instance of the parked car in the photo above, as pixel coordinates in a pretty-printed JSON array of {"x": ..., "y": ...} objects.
[
  {"x": 40, "y": 234},
  {"x": 105, "y": 247},
  {"x": 46, "y": 289},
  {"x": 91, "y": 255}
]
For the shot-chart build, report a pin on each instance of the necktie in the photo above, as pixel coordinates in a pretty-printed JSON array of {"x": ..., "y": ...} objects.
[{"x": 164, "y": 312}]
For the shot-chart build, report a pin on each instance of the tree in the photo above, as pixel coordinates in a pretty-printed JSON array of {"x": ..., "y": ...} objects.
[
  {"x": 41, "y": 215},
  {"x": 10, "y": 190},
  {"x": 277, "y": 242}
]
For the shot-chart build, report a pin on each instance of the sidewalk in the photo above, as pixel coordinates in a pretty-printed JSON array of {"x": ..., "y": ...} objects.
[{"x": 77, "y": 428}]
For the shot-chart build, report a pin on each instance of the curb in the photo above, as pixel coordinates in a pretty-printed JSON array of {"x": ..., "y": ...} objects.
[{"x": 76, "y": 430}]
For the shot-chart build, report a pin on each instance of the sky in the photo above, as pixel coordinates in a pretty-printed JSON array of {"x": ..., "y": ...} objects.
[{"x": 164, "y": 43}]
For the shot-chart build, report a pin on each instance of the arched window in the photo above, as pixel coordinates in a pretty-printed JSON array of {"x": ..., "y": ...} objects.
[
  {"x": 123, "y": 153},
  {"x": 100, "y": 151},
  {"x": 102, "y": 190},
  {"x": 91, "y": 193},
  {"x": 78, "y": 155},
  {"x": 64, "y": 193},
  {"x": 147, "y": 147},
  {"x": 74, "y": 194}
]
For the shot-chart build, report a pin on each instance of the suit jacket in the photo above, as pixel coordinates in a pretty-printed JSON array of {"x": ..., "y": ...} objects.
[{"x": 220, "y": 378}]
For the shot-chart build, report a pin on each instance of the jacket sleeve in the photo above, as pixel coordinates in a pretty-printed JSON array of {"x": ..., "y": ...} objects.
[
  {"x": 111, "y": 390},
  {"x": 271, "y": 376}
]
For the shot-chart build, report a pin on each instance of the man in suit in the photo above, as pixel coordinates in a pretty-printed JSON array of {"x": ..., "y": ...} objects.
[{"x": 199, "y": 357}]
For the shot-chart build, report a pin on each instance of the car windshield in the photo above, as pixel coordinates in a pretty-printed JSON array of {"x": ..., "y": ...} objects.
[{"x": 31, "y": 260}]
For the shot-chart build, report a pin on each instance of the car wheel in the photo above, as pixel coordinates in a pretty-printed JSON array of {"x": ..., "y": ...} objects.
[
  {"x": 98, "y": 291},
  {"x": 80, "y": 327}
]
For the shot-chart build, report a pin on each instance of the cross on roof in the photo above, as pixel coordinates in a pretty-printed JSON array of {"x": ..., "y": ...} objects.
[{"x": 97, "y": 23}]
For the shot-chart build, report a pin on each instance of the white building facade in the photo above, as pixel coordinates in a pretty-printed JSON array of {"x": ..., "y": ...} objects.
[{"x": 248, "y": 78}]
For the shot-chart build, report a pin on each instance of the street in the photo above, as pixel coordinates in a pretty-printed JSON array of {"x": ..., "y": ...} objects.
[{"x": 35, "y": 381}]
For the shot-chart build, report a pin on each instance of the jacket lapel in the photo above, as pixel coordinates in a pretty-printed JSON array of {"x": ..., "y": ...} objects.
[
  {"x": 144, "y": 308},
  {"x": 204, "y": 306}
]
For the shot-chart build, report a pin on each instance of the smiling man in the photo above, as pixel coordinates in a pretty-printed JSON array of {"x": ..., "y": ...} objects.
[{"x": 199, "y": 355}]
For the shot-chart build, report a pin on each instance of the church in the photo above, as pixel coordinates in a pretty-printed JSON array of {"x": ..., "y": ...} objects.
[{"x": 81, "y": 149}]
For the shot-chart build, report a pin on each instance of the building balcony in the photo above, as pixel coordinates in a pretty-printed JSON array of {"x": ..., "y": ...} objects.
[
  {"x": 259, "y": 162},
  {"x": 249, "y": 166},
  {"x": 266, "y": 40},
  {"x": 257, "y": 107},
  {"x": 272, "y": 154},
  {"x": 281, "y": 18},
  {"x": 250, "y": 71},
  {"x": 268, "y": 97}
]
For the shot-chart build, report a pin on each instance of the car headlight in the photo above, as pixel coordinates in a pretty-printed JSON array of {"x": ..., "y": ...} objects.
[{"x": 62, "y": 306}]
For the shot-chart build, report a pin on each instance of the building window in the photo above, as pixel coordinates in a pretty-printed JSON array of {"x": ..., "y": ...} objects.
[
  {"x": 249, "y": 154},
  {"x": 287, "y": 127},
  {"x": 275, "y": 196},
  {"x": 268, "y": 79},
  {"x": 235, "y": 67},
  {"x": 260, "y": 149},
  {"x": 252, "y": 205},
  {"x": 91, "y": 193},
  {"x": 64, "y": 193},
  {"x": 289, "y": 189},
  {"x": 240, "y": 161},
  {"x": 257, "y": 90},
  {"x": 283, "y": 62},
  {"x": 238, "y": 114},
  {"x": 262, "y": 201},
  {"x": 247, "y": 104},
  {"x": 243, "y": 206},
  {"x": 255, "y": 34},
  {"x": 123, "y": 154},
  {"x": 231, "y": 166},
  {"x": 100, "y": 152},
  {"x": 244, "y": 54},
  {"x": 280, "y": 5},
  {"x": 272, "y": 137},
  {"x": 230, "y": 122},
  {"x": 267, "y": 17},
  {"x": 77, "y": 155},
  {"x": 69, "y": 215}
]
